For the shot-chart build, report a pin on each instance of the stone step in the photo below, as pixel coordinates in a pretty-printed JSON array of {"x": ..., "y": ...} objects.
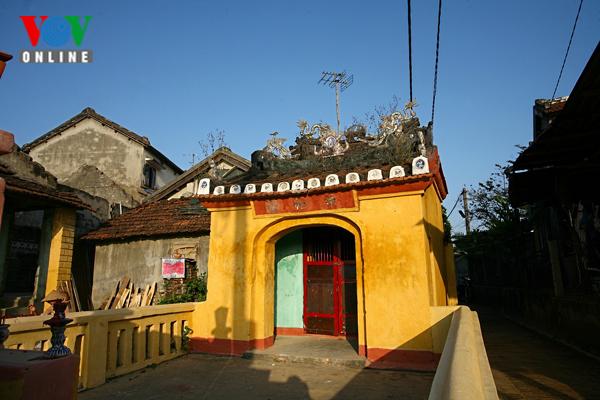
[{"x": 288, "y": 358}]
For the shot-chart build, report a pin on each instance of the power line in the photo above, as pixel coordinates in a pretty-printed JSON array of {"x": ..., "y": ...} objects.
[
  {"x": 455, "y": 203},
  {"x": 437, "y": 54},
  {"x": 568, "y": 48},
  {"x": 410, "y": 52}
]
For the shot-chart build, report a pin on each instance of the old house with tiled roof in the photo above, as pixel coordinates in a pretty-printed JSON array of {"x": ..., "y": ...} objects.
[
  {"x": 133, "y": 244},
  {"x": 222, "y": 164},
  {"x": 38, "y": 234},
  {"x": 94, "y": 154}
]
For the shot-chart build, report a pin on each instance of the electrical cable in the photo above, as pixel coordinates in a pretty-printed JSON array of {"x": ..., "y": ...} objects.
[
  {"x": 410, "y": 52},
  {"x": 568, "y": 48},
  {"x": 455, "y": 203},
  {"x": 437, "y": 55}
]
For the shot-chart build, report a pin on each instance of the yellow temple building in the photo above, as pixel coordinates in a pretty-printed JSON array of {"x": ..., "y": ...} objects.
[{"x": 340, "y": 235}]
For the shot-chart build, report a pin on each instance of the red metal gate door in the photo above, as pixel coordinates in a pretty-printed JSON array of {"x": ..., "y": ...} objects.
[
  {"x": 329, "y": 282},
  {"x": 347, "y": 292}
]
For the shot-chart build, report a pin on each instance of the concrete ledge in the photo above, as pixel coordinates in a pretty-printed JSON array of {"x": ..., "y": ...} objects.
[
  {"x": 464, "y": 371},
  {"x": 291, "y": 358},
  {"x": 228, "y": 347},
  {"x": 24, "y": 324}
]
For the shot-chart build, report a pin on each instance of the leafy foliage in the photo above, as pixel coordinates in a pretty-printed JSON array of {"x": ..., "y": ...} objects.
[
  {"x": 447, "y": 225},
  {"x": 489, "y": 204},
  {"x": 195, "y": 290}
]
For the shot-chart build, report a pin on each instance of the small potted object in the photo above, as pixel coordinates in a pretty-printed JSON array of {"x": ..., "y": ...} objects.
[{"x": 59, "y": 301}]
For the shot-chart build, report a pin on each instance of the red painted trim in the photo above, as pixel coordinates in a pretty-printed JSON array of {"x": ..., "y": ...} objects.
[
  {"x": 290, "y": 331},
  {"x": 305, "y": 203},
  {"x": 228, "y": 346},
  {"x": 225, "y": 204},
  {"x": 435, "y": 167},
  {"x": 418, "y": 360},
  {"x": 407, "y": 187},
  {"x": 394, "y": 185}
]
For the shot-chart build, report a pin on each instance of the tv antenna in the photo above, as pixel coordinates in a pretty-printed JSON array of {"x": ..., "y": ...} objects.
[
  {"x": 193, "y": 156},
  {"x": 340, "y": 81}
]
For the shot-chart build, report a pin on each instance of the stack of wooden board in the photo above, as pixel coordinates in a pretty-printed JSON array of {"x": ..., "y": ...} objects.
[
  {"x": 127, "y": 295},
  {"x": 70, "y": 289}
]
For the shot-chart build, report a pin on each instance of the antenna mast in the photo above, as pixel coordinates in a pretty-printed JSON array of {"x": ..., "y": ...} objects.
[{"x": 340, "y": 81}]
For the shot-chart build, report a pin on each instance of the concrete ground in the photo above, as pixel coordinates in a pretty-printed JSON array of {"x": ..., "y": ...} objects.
[
  {"x": 199, "y": 376},
  {"x": 320, "y": 350},
  {"x": 527, "y": 365}
]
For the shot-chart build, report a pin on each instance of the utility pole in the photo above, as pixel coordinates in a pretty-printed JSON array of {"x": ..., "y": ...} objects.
[
  {"x": 340, "y": 81},
  {"x": 466, "y": 211}
]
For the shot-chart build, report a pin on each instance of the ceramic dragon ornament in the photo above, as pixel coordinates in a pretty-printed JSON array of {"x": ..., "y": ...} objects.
[
  {"x": 331, "y": 143},
  {"x": 394, "y": 125},
  {"x": 276, "y": 147}
]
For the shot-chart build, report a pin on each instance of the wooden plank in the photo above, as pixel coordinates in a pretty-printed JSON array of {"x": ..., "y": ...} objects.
[
  {"x": 118, "y": 298},
  {"x": 123, "y": 283},
  {"x": 151, "y": 294},
  {"x": 132, "y": 295},
  {"x": 103, "y": 304},
  {"x": 75, "y": 294},
  {"x": 144, "y": 299},
  {"x": 138, "y": 298},
  {"x": 112, "y": 297},
  {"x": 123, "y": 299},
  {"x": 64, "y": 287}
]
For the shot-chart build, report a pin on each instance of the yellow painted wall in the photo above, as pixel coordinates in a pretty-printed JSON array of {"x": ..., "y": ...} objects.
[
  {"x": 434, "y": 230},
  {"x": 392, "y": 269},
  {"x": 61, "y": 248}
]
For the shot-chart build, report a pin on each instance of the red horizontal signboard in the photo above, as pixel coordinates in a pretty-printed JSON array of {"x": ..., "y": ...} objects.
[{"x": 300, "y": 204}]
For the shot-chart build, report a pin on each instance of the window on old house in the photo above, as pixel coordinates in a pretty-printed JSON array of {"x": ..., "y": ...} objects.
[{"x": 149, "y": 177}]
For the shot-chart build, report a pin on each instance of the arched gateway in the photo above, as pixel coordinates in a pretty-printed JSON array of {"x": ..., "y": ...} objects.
[
  {"x": 315, "y": 283},
  {"x": 362, "y": 256}
]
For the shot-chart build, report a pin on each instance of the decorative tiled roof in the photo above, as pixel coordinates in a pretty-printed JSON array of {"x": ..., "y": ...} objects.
[
  {"x": 200, "y": 169},
  {"x": 177, "y": 217},
  {"x": 363, "y": 179},
  {"x": 91, "y": 113},
  {"x": 401, "y": 147}
]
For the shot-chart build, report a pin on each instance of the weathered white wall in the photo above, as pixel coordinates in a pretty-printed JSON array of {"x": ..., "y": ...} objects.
[
  {"x": 140, "y": 260},
  {"x": 189, "y": 189},
  {"x": 91, "y": 143},
  {"x": 163, "y": 175}
]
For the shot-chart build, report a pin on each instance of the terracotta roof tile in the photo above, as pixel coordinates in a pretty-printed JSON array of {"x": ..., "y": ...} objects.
[{"x": 161, "y": 218}]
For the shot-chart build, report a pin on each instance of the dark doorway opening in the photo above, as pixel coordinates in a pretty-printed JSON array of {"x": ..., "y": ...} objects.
[{"x": 330, "y": 303}]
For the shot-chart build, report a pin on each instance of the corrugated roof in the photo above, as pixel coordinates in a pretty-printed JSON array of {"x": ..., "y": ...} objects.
[{"x": 176, "y": 217}]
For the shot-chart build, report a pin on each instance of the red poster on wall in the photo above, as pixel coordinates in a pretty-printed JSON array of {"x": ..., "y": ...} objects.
[{"x": 173, "y": 268}]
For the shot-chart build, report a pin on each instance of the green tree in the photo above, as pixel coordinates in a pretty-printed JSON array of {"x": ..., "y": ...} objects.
[{"x": 489, "y": 204}]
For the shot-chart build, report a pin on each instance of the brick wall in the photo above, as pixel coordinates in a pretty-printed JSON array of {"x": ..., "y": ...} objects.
[{"x": 61, "y": 248}]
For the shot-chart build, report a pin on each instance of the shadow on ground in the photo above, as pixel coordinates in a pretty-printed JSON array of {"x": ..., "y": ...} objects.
[
  {"x": 527, "y": 365},
  {"x": 199, "y": 376}
]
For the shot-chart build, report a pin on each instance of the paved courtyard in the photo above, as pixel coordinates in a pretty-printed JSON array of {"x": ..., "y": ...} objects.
[
  {"x": 199, "y": 376},
  {"x": 527, "y": 365}
]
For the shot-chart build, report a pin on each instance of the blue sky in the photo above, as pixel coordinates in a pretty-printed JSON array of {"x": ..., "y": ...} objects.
[{"x": 174, "y": 70}]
